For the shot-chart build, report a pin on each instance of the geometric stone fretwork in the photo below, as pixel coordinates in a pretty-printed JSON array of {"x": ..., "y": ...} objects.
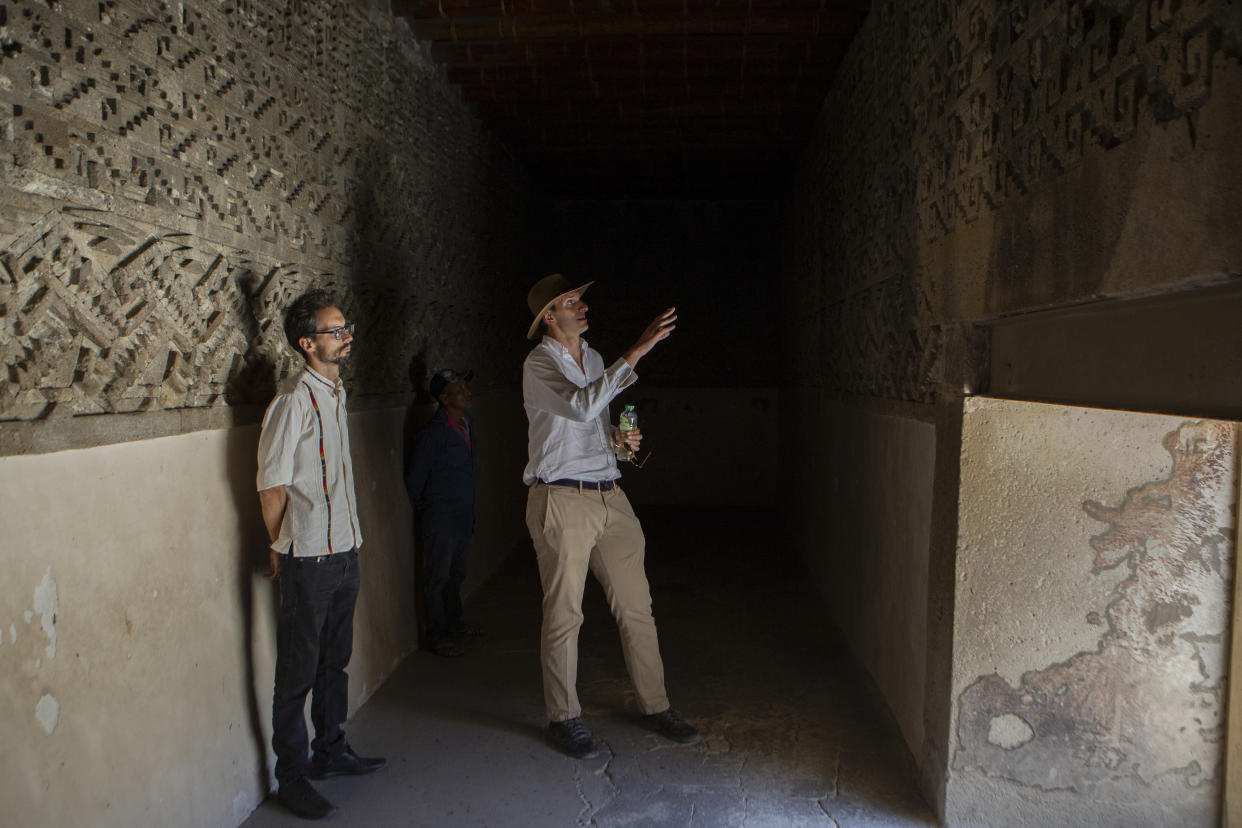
[
  {"x": 112, "y": 319},
  {"x": 945, "y": 112},
  {"x": 173, "y": 174}
]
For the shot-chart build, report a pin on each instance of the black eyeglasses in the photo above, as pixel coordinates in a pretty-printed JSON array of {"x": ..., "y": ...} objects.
[{"x": 339, "y": 333}]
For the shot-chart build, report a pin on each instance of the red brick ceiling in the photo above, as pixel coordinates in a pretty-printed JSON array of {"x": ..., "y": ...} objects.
[{"x": 643, "y": 98}]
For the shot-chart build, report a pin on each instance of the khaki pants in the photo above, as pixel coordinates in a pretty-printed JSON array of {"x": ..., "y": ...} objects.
[{"x": 573, "y": 530}]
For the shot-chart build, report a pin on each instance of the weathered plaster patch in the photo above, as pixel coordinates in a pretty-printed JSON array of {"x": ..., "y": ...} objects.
[
  {"x": 243, "y": 806},
  {"x": 12, "y": 633},
  {"x": 47, "y": 604},
  {"x": 47, "y": 711},
  {"x": 1009, "y": 731},
  {"x": 1145, "y": 704},
  {"x": 28, "y": 615}
]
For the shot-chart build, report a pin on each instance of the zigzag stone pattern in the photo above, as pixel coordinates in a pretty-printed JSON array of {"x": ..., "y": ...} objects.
[
  {"x": 946, "y": 112},
  {"x": 173, "y": 174}
]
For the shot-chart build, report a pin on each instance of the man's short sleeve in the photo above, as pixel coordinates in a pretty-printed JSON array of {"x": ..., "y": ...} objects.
[{"x": 277, "y": 442}]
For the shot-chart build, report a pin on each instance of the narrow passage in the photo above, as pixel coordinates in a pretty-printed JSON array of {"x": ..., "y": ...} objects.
[{"x": 793, "y": 734}]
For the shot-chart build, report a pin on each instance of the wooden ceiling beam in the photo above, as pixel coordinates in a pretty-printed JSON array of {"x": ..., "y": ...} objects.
[
  {"x": 548, "y": 27},
  {"x": 819, "y": 68},
  {"x": 628, "y": 161},
  {"x": 608, "y": 137},
  {"x": 498, "y": 9},
  {"x": 713, "y": 89},
  {"x": 662, "y": 109},
  {"x": 644, "y": 97},
  {"x": 575, "y": 51}
]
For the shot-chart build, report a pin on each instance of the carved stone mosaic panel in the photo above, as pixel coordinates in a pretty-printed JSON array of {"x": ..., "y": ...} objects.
[
  {"x": 951, "y": 110},
  {"x": 173, "y": 174}
]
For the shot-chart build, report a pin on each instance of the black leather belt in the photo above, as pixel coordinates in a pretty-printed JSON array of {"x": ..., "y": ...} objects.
[
  {"x": 316, "y": 559},
  {"x": 591, "y": 485}
]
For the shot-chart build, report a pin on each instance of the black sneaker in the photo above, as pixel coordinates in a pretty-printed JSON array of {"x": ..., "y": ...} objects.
[
  {"x": 573, "y": 739},
  {"x": 347, "y": 764},
  {"x": 671, "y": 725},
  {"x": 300, "y": 797}
]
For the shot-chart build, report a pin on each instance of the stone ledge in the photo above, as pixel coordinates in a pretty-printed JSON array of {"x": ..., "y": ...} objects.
[{"x": 90, "y": 431}]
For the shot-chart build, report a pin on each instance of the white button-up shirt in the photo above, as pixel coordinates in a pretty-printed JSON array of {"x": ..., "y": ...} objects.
[
  {"x": 567, "y": 407},
  {"x": 309, "y": 455}
]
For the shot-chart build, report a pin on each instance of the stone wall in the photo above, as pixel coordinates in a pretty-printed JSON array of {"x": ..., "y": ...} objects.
[
  {"x": 977, "y": 159},
  {"x": 174, "y": 173},
  {"x": 981, "y": 159},
  {"x": 171, "y": 175}
]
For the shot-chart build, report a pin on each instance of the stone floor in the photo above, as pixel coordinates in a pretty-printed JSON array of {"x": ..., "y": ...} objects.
[{"x": 792, "y": 735}]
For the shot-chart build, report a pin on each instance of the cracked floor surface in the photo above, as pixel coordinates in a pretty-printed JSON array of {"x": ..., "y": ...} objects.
[{"x": 792, "y": 733}]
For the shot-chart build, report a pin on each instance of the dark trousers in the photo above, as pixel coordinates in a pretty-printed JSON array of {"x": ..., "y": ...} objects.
[
  {"x": 314, "y": 640},
  {"x": 445, "y": 558}
]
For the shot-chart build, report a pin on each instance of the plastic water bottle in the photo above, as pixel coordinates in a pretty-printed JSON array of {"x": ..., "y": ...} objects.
[{"x": 628, "y": 421}]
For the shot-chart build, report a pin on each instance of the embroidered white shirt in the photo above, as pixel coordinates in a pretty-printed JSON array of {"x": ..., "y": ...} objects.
[{"x": 319, "y": 519}]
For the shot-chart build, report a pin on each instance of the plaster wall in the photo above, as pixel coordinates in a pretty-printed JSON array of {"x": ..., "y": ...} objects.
[
  {"x": 860, "y": 504},
  {"x": 138, "y": 644},
  {"x": 1090, "y": 644}
]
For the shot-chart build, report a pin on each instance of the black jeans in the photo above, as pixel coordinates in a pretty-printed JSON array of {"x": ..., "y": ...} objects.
[
  {"x": 445, "y": 558},
  {"x": 314, "y": 640}
]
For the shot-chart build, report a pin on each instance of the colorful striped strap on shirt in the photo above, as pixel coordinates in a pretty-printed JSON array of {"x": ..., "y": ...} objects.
[{"x": 323, "y": 463}]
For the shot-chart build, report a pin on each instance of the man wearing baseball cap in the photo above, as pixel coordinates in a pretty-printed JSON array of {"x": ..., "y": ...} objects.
[
  {"x": 579, "y": 518},
  {"x": 440, "y": 478}
]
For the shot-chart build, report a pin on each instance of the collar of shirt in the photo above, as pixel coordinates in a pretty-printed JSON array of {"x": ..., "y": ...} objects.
[
  {"x": 558, "y": 348},
  {"x": 334, "y": 388}
]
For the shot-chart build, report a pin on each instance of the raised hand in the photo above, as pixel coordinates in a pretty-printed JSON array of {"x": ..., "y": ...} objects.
[{"x": 660, "y": 329}]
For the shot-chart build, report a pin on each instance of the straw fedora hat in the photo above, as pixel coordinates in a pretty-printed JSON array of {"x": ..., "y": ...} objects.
[{"x": 545, "y": 293}]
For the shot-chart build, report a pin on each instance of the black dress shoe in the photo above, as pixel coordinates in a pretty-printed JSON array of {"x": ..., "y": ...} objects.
[
  {"x": 671, "y": 725},
  {"x": 347, "y": 763},
  {"x": 572, "y": 738},
  {"x": 300, "y": 797}
]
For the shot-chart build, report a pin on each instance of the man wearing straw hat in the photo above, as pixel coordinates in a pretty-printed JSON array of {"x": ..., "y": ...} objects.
[{"x": 579, "y": 518}]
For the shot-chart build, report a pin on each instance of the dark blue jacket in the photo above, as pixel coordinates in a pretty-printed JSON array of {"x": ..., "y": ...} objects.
[{"x": 440, "y": 476}]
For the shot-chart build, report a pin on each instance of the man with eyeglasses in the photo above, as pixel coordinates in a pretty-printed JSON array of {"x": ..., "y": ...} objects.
[{"x": 306, "y": 493}]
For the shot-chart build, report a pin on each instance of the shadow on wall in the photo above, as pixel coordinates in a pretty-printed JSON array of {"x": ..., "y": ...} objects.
[
  {"x": 252, "y": 565},
  {"x": 252, "y": 377},
  {"x": 255, "y": 377},
  {"x": 416, "y": 416}
]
